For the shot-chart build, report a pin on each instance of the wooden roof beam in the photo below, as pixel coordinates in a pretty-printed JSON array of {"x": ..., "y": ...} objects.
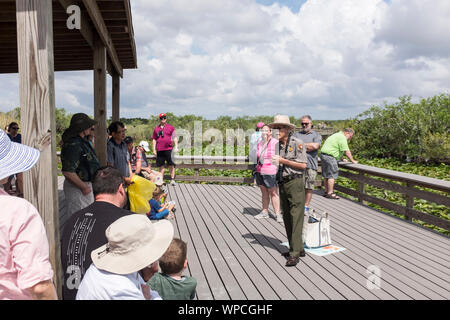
[{"x": 99, "y": 24}]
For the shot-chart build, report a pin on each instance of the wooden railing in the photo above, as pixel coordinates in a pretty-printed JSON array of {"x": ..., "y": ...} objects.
[{"x": 403, "y": 183}]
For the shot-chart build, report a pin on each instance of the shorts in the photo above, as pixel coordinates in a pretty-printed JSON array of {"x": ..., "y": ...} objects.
[
  {"x": 163, "y": 157},
  {"x": 310, "y": 178},
  {"x": 266, "y": 180},
  {"x": 330, "y": 169}
]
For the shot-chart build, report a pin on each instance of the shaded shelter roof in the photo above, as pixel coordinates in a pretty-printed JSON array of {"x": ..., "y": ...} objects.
[{"x": 73, "y": 49}]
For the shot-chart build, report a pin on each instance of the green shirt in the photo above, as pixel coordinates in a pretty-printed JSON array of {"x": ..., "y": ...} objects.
[
  {"x": 78, "y": 156},
  {"x": 335, "y": 145},
  {"x": 171, "y": 289}
]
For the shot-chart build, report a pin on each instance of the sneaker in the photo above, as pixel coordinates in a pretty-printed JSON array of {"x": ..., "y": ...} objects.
[
  {"x": 172, "y": 182},
  {"x": 262, "y": 215},
  {"x": 280, "y": 218}
]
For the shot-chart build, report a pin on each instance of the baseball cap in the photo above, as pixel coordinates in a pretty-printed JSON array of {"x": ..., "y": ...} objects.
[
  {"x": 144, "y": 144},
  {"x": 162, "y": 115},
  {"x": 260, "y": 125}
]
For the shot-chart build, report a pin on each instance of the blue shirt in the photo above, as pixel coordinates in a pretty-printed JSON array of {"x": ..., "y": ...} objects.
[
  {"x": 155, "y": 207},
  {"x": 118, "y": 156},
  {"x": 17, "y": 138}
]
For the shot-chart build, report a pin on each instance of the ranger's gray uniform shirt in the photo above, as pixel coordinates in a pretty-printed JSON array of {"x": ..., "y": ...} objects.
[
  {"x": 311, "y": 137},
  {"x": 296, "y": 152}
]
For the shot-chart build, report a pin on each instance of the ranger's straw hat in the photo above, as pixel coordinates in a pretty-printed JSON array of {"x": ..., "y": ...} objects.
[{"x": 282, "y": 121}]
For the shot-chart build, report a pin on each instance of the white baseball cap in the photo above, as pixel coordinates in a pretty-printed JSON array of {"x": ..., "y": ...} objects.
[{"x": 144, "y": 144}]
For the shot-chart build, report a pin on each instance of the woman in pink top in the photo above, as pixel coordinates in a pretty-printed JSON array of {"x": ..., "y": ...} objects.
[
  {"x": 25, "y": 269},
  {"x": 266, "y": 174}
]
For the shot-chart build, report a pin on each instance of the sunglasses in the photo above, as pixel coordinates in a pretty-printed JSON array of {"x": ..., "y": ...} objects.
[
  {"x": 305, "y": 123},
  {"x": 162, "y": 118},
  {"x": 14, "y": 128}
]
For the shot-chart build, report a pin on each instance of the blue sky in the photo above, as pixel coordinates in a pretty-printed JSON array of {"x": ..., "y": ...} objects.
[
  {"x": 294, "y": 5},
  {"x": 332, "y": 59}
]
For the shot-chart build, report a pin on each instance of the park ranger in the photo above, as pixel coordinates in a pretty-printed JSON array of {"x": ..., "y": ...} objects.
[{"x": 292, "y": 162}]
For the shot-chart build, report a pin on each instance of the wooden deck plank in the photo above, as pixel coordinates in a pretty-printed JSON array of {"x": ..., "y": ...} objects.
[
  {"x": 218, "y": 290},
  {"x": 421, "y": 266},
  {"x": 400, "y": 274},
  {"x": 203, "y": 291},
  {"x": 258, "y": 258},
  {"x": 412, "y": 248},
  {"x": 411, "y": 275},
  {"x": 223, "y": 260},
  {"x": 234, "y": 256},
  {"x": 265, "y": 262},
  {"x": 413, "y": 235},
  {"x": 239, "y": 262},
  {"x": 335, "y": 275},
  {"x": 346, "y": 270},
  {"x": 307, "y": 278},
  {"x": 408, "y": 230},
  {"x": 390, "y": 290}
]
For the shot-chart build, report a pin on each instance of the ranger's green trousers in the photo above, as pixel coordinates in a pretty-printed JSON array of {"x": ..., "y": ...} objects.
[{"x": 292, "y": 201}]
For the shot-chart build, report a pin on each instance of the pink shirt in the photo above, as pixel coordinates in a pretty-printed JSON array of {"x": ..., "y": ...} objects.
[
  {"x": 267, "y": 166},
  {"x": 164, "y": 143},
  {"x": 24, "y": 250}
]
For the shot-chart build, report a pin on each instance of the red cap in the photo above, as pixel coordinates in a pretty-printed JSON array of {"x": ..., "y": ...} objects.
[{"x": 162, "y": 115}]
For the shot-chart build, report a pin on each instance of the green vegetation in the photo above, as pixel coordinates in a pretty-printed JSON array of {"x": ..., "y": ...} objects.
[
  {"x": 418, "y": 132},
  {"x": 404, "y": 136}
]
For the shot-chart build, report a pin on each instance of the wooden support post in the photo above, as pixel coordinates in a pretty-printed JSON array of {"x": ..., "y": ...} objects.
[
  {"x": 100, "y": 99},
  {"x": 361, "y": 188},
  {"x": 115, "y": 97},
  {"x": 37, "y": 101},
  {"x": 409, "y": 202}
]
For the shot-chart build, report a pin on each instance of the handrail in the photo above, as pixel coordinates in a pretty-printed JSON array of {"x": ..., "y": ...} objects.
[
  {"x": 408, "y": 185},
  {"x": 407, "y": 188}
]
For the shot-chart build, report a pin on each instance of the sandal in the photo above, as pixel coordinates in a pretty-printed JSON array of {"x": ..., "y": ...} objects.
[{"x": 332, "y": 196}]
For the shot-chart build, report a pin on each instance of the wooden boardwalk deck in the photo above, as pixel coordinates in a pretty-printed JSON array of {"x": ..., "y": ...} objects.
[{"x": 234, "y": 256}]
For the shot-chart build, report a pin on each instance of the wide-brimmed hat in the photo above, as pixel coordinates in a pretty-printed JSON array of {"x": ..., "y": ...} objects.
[
  {"x": 81, "y": 122},
  {"x": 78, "y": 123},
  {"x": 144, "y": 144},
  {"x": 134, "y": 242},
  {"x": 281, "y": 121},
  {"x": 15, "y": 157}
]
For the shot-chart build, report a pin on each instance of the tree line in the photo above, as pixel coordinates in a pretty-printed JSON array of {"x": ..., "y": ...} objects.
[{"x": 404, "y": 130}]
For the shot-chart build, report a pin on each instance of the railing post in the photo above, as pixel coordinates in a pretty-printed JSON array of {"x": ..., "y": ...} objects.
[
  {"x": 197, "y": 175},
  {"x": 409, "y": 201},
  {"x": 361, "y": 188}
]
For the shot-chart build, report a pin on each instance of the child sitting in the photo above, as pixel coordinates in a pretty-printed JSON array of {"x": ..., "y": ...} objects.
[
  {"x": 158, "y": 211},
  {"x": 170, "y": 283}
]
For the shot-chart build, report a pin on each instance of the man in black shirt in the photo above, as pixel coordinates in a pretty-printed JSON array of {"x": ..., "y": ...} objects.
[{"x": 85, "y": 229}]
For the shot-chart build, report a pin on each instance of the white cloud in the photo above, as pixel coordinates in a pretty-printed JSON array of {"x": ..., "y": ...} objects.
[{"x": 332, "y": 58}]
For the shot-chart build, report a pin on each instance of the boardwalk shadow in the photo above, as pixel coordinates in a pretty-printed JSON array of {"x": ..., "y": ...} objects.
[
  {"x": 265, "y": 241},
  {"x": 251, "y": 211}
]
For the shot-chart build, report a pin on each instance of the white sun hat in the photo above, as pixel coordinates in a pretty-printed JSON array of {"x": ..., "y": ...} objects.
[
  {"x": 15, "y": 157},
  {"x": 144, "y": 144},
  {"x": 134, "y": 242}
]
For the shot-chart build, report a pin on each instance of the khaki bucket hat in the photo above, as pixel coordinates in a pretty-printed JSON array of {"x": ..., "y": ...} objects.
[
  {"x": 134, "y": 242},
  {"x": 281, "y": 121}
]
